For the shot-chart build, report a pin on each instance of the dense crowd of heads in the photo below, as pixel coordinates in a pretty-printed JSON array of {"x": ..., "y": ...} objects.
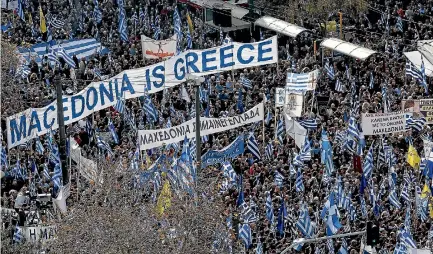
[{"x": 296, "y": 55}]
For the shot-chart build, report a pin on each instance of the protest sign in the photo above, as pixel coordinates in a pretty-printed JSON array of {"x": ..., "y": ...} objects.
[
  {"x": 280, "y": 99},
  {"x": 87, "y": 168},
  {"x": 155, "y": 49},
  {"x": 383, "y": 123},
  {"x": 294, "y": 105},
  {"x": 154, "y": 138},
  {"x": 426, "y": 109},
  {"x": 128, "y": 84},
  {"x": 39, "y": 233},
  {"x": 428, "y": 146},
  {"x": 213, "y": 157}
]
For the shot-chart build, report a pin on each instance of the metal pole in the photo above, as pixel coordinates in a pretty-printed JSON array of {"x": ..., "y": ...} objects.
[
  {"x": 321, "y": 239},
  {"x": 61, "y": 123},
  {"x": 197, "y": 123}
]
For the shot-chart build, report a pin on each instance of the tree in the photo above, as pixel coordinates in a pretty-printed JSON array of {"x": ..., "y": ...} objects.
[{"x": 116, "y": 217}]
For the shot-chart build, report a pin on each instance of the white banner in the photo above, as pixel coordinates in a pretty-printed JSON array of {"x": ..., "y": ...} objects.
[
  {"x": 39, "y": 233},
  {"x": 128, "y": 84},
  {"x": 383, "y": 123},
  {"x": 154, "y": 138},
  {"x": 87, "y": 168},
  {"x": 279, "y": 97},
  {"x": 295, "y": 130},
  {"x": 153, "y": 49},
  {"x": 294, "y": 105},
  {"x": 428, "y": 146}
]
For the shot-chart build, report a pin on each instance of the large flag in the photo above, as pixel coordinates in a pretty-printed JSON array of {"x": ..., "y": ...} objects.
[
  {"x": 413, "y": 158},
  {"x": 42, "y": 24}
]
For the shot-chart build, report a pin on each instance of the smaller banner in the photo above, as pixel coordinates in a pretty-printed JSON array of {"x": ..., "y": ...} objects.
[
  {"x": 155, "y": 138},
  {"x": 426, "y": 109},
  {"x": 153, "y": 49},
  {"x": 39, "y": 233},
  {"x": 279, "y": 97},
  {"x": 213, "y": 157},
  {"x": 383, "y": 123},
  {"x": 294, "y": 105},
  {"x": 428, "y": 146},
  {"x": 299, "y": 83}
]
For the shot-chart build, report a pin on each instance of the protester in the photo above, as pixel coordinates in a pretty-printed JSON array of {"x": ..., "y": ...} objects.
[{"x": 378, "y": 84}]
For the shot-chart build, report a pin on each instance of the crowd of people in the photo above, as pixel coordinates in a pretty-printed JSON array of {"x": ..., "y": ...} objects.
[{"x": 353, "y": 88}]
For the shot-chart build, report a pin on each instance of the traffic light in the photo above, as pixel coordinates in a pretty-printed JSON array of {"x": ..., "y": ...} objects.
[{"x": 372, "y": 233}]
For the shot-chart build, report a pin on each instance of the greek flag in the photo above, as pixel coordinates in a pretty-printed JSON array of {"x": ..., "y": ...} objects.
[
  {"x": 120, "y": 106},
  {"x": 245, "y": 234},
  {"x": 406, "y": 238},
  {"x": 393, "y": 199},
  {"x": 122, "y": 22},
  {"x": 371, "y": 80},
  {"x": 21, "y": 10},
  {"x": 412, "y": 71},
  {"x": 269, "y": 151},
  {"x": 56, "y": 23},
  {"x": 103, "y": 145},
  {"x": 352, "y": 130},
  {"x": 310, "y": 124},
  {"x": 330, "y": 245},
  {"x": 253, "y": 147},
  {"x": 113, "y": 132},
  {"x": 330, "y": 211},
  {"x": 368, "y": 163},
  {"x": 415, "y": 124},
  {"x": 399, "y": 24},
  {"x": 39, "y": 147},
  {"x": 268, "y": 117},
  {"x": 157, "y": 30},
  {"x": 188, "y": 40},
  {"x": 68, "y": 59},
  {"x": 269, "y": 208},
  {"x": 4, "y": 158},
  {"x": 142, "y": 15},
  {"x": 18, "y": 234},
  {"x": 299, "y": 184},
  {"x": 329, "y": 70},
  {"x": 246, "y": 82},
  {"x": 280, "y": 130},
  {"x": 177, "y": 24},
  {"x": 229, "y": 172},
  {"x": 97, "y": 13},
  {"x": 385, "y": 102},
  {"x": 305, "y": 154},
  {"x": 150, "y": 109},
  {"x": 304, "y": 223},
  {"x": 400, "y": 248},
  {"x": 83, "y": 48},
  {"x": 300, "y": 82},
  {"x": 278, "y": 179},
  {"x": 46, "y": 172},
  {"x": 339, "y": 86}
]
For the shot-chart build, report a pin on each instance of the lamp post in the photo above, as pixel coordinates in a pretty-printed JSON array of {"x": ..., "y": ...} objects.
[
  {"x": 61, "y": 123},
  {"x": 197, "y": 82}
]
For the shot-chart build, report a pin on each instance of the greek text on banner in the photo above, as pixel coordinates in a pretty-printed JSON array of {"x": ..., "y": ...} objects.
[
  {"x": 129, "y": 84},
  {"x": 154, "y": 138},
  {"x": 383, "y": 123},
  {"x": 213, "y": 157}
]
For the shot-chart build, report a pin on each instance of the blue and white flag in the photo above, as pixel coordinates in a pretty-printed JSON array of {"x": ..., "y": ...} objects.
[
  {"x": 299, "y": 184},
  {"x": 20, "y": 10},
  {"x": 269, "y": 208},
  {"x": 68, "y": 59},
  {"x": 113, "y": 132},
  {"x": 246, "y": 82},
  {"x": 329, "y": 70},
  {"x": 97, "y": 12},
  {"x": 253, "y": 147},
  {"x": 245, "y": 234},
  {"x": 331, "y": 215},
  {"x": 302, "y": 82},
  {"x": 269, "y": 151},
  {"x": 368, "y": 163},
  {"x": 371, "y": 80},
  {"x": 219, "y": 156},
  {"x": 304, "y": 223},
  {"x": 339, "y": 87},
  {"x": 310, "y": 124}
]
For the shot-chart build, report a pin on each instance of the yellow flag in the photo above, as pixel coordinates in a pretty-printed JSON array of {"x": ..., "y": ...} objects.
[
  {"x": 191, "y": 26},
  {"x": 164, "y": 200},
  {"x": 425, "y": 191},
  {"x": 42, "y": 23},
  {"x": 30, "y": 19},
  {"x": 413, "y": 158}
]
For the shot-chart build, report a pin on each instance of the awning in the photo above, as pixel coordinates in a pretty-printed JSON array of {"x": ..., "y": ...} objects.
[
  {"x": 237, "y": 11},
  {"x": 280, "y": 26},
  {"x": 347, "y": 48},
  {"x": 415, "y": 58}
]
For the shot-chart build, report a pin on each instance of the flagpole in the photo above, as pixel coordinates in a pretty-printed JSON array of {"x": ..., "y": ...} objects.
[{"x": 78, "y": 174}]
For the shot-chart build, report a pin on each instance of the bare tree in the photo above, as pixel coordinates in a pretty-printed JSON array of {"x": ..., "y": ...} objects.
[{"x": 117, "y": 217}]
